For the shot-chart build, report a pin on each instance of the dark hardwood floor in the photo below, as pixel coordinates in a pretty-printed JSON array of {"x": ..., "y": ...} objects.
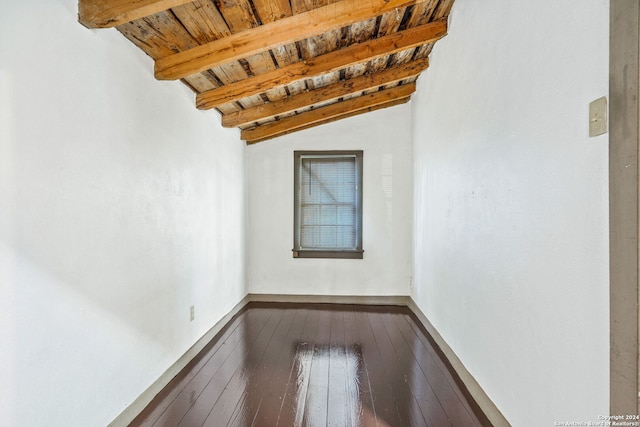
[{"x": 316, "y": 365}]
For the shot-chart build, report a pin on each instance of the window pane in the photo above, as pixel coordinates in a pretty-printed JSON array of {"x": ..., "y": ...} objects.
[{"x": 328, "y": 198}]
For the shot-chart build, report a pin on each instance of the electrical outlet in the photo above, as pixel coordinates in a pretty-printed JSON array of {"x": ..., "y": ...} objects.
[
  {"x": 410, "y": 282},
  {"x": 192, "y": 313}
]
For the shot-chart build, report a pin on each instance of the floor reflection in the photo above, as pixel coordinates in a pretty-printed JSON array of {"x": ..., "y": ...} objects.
[{"x": 329, "y": 385}]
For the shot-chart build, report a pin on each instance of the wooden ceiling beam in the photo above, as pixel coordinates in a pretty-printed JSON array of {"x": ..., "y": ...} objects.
[
  {"x": 111, "y": 13},
  {"x": 271, "y": 35},
  {"x": 325, "y": 94},
  {"x": 395, "y": 102},
  {"x": 333, "y": 61},
  {"x": 327, "y": 113}
]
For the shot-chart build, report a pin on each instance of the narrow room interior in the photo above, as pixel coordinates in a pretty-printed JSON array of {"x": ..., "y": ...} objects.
[{"x": 143, "y": 214}]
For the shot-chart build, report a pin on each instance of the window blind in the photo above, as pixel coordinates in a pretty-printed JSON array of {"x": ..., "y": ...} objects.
[{"x": 328, "y": 202}]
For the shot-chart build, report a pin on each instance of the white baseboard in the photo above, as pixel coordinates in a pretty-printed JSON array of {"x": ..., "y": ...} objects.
[
  {"x": 138, "y": 405},
  {"x": 488, "y": 407},
  {"x": 477, "y": 393}
]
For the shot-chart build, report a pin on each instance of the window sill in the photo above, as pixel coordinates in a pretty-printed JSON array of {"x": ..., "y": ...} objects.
[{"x": 305, "y": 253}]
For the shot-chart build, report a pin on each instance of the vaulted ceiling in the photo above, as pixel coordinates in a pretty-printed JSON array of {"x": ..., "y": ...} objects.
[{"x": 272, "y": 67}]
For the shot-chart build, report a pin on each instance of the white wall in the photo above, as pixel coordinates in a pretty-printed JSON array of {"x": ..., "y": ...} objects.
[
  {"x": 511, "y": 204},
  {"x": 384, "y": 136},
  {"x": 120, "y": 206}
]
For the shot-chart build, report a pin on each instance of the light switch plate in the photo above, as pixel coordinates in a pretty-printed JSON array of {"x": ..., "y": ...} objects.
[{"x": 598, "y": 117}]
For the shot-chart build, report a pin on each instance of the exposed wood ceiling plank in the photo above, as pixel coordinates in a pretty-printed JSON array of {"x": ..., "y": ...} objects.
[
  {"x": 358, "y": 33},
  {"x": 272, "y": 10},
  {"x": 319, "y": 45},
  {"x": 158, "y": 35},
  {"x": 332, "y": 61},
  {"x": 301, "y": 6},
  {"x": 423, "y": 13},
  {"x": 333, "y": 119},
  {"x": 111, "y": 13},
  {"x": 272, "y": 35},
  {"x": 443, "y": 9},
  {"x": 240, "y": 17},
  {"x": 326, "y": 113},
  {"x": 328, "y": 93},
  {"x": 202, "y": 19}
]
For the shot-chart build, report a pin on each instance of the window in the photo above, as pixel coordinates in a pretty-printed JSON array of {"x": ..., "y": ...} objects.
[{"x": 327, "y": 204}]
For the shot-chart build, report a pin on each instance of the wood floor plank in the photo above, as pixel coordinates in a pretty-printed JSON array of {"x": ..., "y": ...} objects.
[
  {"x": 276, "y": 388},
  {"x": 315, "y": 409},
  {"x": 190, "y": 392},
  {"x": 172, "y": 403},
  {"x": 382, "y": 391},
  {"x": 358, "y": 383},
  {"x": 437, "y": 368},
  {"x": 222, "y": 343},
  {"x": 398, "y": 375},
  {"x": 293, "y": 403},
  {"x": 266, "y": 385},
  {"x": 453, "y": 401},
  {"x": 317, "y": 365},
  {"x": 426, "y": 398},
  {"x": 338, "y": 406},
  {"x": 240, "y": 387},
  {"x": 234, "y": 346},
  {"x": 215, "y": 389}
]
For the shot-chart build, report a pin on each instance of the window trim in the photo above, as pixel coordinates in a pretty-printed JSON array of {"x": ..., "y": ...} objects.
[{"x": 356, "y": 253}]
